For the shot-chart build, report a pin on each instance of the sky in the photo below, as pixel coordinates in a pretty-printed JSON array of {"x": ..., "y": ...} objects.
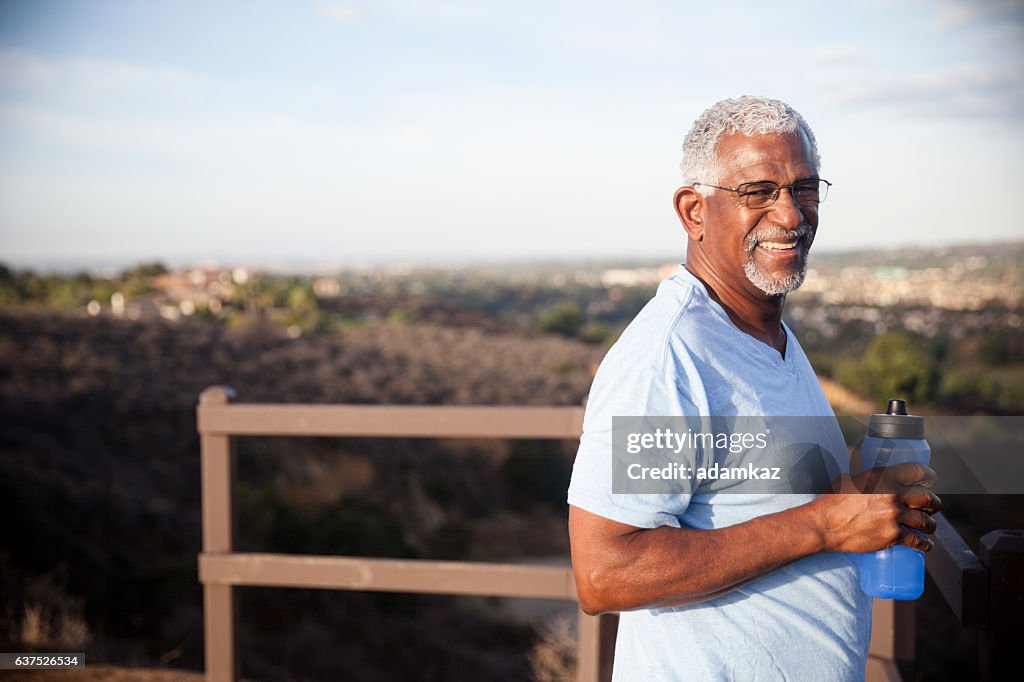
[{"x": 444, "y": 131}]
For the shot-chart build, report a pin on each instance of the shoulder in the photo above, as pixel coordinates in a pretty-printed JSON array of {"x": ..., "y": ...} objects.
[
  {"x": 651, "y": 336},
  {"x": 650, "y": 369}
]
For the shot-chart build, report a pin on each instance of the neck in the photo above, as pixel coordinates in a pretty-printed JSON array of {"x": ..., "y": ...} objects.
[{"x": 754, "y": 312}]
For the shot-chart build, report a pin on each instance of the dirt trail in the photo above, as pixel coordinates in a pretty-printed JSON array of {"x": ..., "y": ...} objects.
[
  {"x": 101, "y": 673},
  {"x": 844, "y": 401}
]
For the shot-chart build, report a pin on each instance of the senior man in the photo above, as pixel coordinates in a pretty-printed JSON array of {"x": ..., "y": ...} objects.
[{"x": 733, "y": 586}]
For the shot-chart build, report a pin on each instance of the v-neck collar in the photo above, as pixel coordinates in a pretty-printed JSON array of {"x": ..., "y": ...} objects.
[{"x": 756, "y": 345}]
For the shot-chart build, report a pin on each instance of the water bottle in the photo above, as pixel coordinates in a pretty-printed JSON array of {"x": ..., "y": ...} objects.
[{"x": 893, "y": 438}]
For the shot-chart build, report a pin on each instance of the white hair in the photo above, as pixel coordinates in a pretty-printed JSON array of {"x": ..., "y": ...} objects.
[{"x": 747, "y": 115}]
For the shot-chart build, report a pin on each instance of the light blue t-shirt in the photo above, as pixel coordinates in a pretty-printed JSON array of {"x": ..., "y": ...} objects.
[{"x": 805, "y": 621}]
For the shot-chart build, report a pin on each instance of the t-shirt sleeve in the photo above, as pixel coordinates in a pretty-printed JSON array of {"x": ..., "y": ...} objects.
[{"x": 622, "y": 388}]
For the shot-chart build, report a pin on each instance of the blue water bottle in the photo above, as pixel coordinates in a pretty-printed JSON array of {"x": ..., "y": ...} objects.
[{"x": 893, "y": 438}]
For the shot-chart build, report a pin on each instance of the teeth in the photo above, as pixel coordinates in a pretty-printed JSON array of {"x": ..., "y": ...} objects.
[{"x": 777, "y": 245}]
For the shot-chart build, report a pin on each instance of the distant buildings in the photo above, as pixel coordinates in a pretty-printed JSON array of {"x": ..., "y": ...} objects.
[
  {"x": 634, "y": 277},
  {"x": 175, "y": 295},
  {"x": 984, "y": 281},
  {"x": 958, "y": 286}
]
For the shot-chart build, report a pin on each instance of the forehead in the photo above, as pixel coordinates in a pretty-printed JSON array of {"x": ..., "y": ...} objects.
[{"x": 784, "y": 157}]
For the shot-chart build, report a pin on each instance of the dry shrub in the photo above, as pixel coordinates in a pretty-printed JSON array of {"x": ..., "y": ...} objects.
[
  {"x": 553, "y": 658},
  {"x": 72, "y": 631},
  {"x": 62, "y": 629},
  {"x": 35, "y": 628}
]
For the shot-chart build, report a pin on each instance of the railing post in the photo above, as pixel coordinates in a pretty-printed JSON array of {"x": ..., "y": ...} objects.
[
  {"x": 904, "y": 634},
  {"x": 891, "y": 651},
  {"x": 1002, "y": 552},
  {"x": 218, "y": 600},
  {"x": 595, "y": 647}
]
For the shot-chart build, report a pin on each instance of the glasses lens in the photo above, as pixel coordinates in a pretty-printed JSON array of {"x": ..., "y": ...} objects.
[
  {"x": 758, "y": 194},
  {"x": 809, "y": 192},
  {"x": 823, "y": 186}
]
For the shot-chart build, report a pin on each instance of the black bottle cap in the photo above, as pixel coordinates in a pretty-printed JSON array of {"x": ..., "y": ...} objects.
[
  {"x": 896, "y": 406},
  {"x": 896, "y": 423}
]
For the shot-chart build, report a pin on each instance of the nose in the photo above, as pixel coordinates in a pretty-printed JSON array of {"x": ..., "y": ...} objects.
[{"x": 787, "y": 212}]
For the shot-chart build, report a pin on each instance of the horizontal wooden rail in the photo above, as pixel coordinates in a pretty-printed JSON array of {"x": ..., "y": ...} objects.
[
  {"x": 410, "y": 421},
  {"x": 387, "y": 575},
  {"x": 959, "y": 574}
]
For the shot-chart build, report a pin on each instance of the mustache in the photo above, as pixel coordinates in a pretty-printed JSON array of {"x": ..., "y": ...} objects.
[{"x": 774, "y": 232}]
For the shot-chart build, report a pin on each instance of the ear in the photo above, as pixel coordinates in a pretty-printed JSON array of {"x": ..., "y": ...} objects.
[{"x": 689, "y": 205}]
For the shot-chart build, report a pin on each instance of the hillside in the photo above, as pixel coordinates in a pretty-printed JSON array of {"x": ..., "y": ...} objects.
[{"x": 101, "y": 488}]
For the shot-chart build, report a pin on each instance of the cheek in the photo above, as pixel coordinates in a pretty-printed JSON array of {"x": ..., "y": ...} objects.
[
  {"x": 811, "y": 217},
  {"x": 812, "y": 221}
]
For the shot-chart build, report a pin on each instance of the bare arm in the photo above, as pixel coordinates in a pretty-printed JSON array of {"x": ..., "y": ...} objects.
[{"x": 619, "y": 567}]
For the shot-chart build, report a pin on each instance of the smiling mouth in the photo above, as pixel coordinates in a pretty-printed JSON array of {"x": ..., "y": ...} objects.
[
  {"x": 777, "y": 242},
  {"x": 779, "y": 246}
]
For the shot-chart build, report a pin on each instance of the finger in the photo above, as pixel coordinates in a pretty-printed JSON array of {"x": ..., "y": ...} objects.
[
  {"x": 913, "y": 474},
  {"x": 919, "y": 520},
  {"x": 929, "y": 478},
  {"x": 915, "y": 541},
  {"x": 923, "y": 499}
]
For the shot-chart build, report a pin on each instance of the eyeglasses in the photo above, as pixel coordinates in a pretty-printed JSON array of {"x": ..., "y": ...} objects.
[{"x": 765, "y": 193}]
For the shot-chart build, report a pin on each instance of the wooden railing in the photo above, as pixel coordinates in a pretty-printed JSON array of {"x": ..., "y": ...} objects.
[
  {"x": 984, "y": 592},
  {"x": 221, "y": 569},
  {"x": 970, "y": 585}
]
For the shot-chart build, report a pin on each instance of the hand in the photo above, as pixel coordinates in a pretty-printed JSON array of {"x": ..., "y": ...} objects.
[
  {"x": 880, "y": 508},
  {"x": 895, "y": 478}
]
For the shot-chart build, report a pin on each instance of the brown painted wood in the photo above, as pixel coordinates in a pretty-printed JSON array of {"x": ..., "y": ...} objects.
[
  {"x": 1002, "y": 552},
  {"x": 218, "y": 600},
  {"x": 412, "y": 421},
  {"x": 388, "y": 575},
  {"x": 959, "y": 574}
]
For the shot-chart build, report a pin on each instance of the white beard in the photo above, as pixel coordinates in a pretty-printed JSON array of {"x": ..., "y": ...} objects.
[{"x": 776, "y": 286}]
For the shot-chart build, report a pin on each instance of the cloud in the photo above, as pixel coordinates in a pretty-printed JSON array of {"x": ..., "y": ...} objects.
[
  {"x": 992, "y": 26},
  {"x": 631, "y": 41},
  {"x": 958, "y": 14},
  {"x": 339, "y": 12},
  {"x": 840, "y": 58},
  {"x": 26, "y": 75},
  {"x": 257, "y": 143},
  {"x": 19, "y": 69},
  {"x": 965, "y": 92},
  {"x": 112, "y": 111}
]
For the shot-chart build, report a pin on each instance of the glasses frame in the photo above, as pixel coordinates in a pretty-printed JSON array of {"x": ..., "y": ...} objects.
[{"x": 775, "y": 194}]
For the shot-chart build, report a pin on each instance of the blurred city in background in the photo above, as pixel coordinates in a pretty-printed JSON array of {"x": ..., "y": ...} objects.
[{"x": 100, "y": 373}]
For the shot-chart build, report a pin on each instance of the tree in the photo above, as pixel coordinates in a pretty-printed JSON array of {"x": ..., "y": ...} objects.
[
  {"x": 565, "y": 319},
  {"x": 898, "y": 365}
]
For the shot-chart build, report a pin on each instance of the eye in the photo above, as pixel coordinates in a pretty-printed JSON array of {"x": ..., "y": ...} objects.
[
  {"x": 807, "y": 191},
  {"x": 757, "y": 190}
]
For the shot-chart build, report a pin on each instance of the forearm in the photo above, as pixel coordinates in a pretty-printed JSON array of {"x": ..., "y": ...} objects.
[
  {"x": 619, "y": 567},
  {"x": 660, "y": 567}
]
